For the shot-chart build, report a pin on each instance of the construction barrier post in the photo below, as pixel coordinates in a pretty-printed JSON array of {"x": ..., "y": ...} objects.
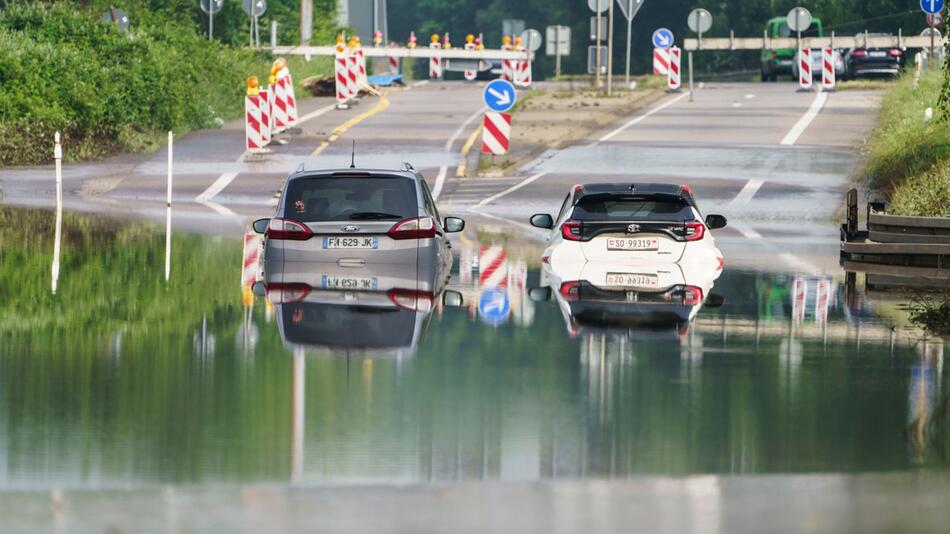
[
  {"x": 435, "y": 63},
  {"x": 827, "y": 69},
  {"x": 470, "y": 45},
  {"x": 496, "y": 133},
  {"x": 673, "y": 81},
  {"x": 252, "y": 117},
  {"x": 804, "y": 69}
]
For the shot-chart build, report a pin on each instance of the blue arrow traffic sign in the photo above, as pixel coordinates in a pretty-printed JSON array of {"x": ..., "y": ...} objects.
[
  {"x": 493, "y": 305},
  {"x": 662, "y": 38},
  {"x": 931, "y": 6},
  {"x": 499, "y": 95}
]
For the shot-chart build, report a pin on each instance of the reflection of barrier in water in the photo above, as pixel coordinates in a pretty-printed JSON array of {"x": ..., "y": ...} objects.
[
  {"x": 922, "y": 394},
  {"x": 812, "y": 296},
  {"x": 297, "y": 414},
  {"x": 58, "y": 156}
]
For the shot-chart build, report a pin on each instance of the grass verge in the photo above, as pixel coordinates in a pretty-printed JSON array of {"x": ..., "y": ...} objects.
[{"x": 908, "y": 156}]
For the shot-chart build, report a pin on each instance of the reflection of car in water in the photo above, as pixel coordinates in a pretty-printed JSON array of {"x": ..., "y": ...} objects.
[
  {"x": 629, "y": 296},
  {"x": 365, "y": 309}
]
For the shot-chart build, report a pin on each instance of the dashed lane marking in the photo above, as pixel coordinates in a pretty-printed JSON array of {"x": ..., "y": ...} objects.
[
  {"x": 806, "y": 119},
  {"x": 443, "y": 170},
  {"x": 748, "y": 191},
  {"x": 640, "y": 118}
]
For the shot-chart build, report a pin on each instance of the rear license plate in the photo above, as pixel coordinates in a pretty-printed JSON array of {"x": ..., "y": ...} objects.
[
  {"x": 357, "y": 283},
  {"x": 877, "y": 53},
  {"x": 350, "y": 242},
  {"x": 633, "y": 243},
  {"x": 633, "y": 280}
]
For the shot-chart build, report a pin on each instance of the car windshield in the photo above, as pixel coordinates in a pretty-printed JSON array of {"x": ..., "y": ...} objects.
[
  {"x": 350, "y": 198},
  {"x": 632, "y": 208},
  {"x": 785, "y": 31}
]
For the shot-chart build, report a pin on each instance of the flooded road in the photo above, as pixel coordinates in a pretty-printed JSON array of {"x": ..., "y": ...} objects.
[{"x": 119, "y": 381}]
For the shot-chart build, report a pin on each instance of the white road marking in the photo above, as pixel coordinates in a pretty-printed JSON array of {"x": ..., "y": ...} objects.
[
  {"x": 639, "y": 118},
  {"x": 226, "y": 178},
  {"x": 527, "y": 228},
  {"x": 737, "y": 104},
  {"x": 748, "y": 191},
  {"x": 218, "y": 208},
  {"x": 443, "y": 170},
  {"x": 511, "y": 189},
  {"x": 806, "y": 119},
  {"x": 420, "y": 83},
  {"x": 750, "y": 95}
]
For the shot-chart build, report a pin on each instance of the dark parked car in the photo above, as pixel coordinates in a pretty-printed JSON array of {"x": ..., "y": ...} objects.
[{"x": 873, "y": 62}]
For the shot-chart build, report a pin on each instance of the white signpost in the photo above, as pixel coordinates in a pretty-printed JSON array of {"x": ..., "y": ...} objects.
[
  {"x": 698, "y": 20},
  {"x": 629, "y": 8}
]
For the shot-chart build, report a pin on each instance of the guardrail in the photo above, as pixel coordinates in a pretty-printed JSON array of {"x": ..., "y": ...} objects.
[
  {"x": 759, "y": 43},
  {"x": 420, "y": 52}
]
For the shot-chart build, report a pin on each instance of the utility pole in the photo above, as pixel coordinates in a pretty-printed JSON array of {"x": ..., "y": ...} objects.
[
  {"x": 598, "y": 60},
  {"x": 306, "y": 21}
]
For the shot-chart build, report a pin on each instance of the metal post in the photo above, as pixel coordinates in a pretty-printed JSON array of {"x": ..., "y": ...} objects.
[
  {"x": 306, "y": 21},
  {"x": 597, "y": 47},
  {"x": 257, "y": 31},
  {"x": 933, "y": 34},
  {"x": 627, "y": 66},
  {"x": 251, "y": 33},
  {"x": 58, "y": 156},
  {"x": 557, "y": 50},
  {"x": 689, "y": 59},
  {"x": 610, "y": 47},
  {"x": 168, "y": 212},
  {"x": 210, "y": 19},
  {"x": 273, "y": 34}
]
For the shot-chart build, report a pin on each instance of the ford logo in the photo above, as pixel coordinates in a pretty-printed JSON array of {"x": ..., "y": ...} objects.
[
  {"x": 633, "y": 228},
  {"x": 351, "y": 228}
]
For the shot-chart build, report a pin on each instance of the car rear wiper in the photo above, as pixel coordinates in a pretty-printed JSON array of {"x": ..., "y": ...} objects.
[{"x": 374, "y": 215}]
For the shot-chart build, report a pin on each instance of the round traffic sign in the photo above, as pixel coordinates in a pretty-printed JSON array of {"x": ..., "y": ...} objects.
[
  {"x": 662, "y": 38},
  {"x": 699, "y": 20},
  {"x": 931, "y": 6},
  {"x": 493, "y": 305},
  {"x": 118, "y": 17},
  {"x": 798, "y": 19},
  {"x": 531, "y": 39},
  {"x": 211, "y": 6},
  {"x": 598, "y": 6},
  {"x": 499, "y": 95},
  {"x": 254, "y": 8},
  {"x": 930, "y": 31}
]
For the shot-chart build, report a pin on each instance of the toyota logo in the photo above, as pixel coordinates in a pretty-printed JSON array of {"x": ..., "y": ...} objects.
[
  {"x": 351, "y": 228},
  {"x": 633, "y": 228}
]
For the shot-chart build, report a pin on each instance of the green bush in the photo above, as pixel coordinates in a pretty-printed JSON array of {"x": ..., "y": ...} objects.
[{"x": 63, "y": 69}]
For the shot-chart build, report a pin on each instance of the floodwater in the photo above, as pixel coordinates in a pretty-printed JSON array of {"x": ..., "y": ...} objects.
[{"x": 119, "y": 380}]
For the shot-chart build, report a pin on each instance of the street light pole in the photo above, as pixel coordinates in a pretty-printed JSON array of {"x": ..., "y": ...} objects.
[{"x": 627, "y": 67}]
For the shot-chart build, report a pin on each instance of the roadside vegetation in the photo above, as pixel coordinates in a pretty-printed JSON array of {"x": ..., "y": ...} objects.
[
  {"x": 63, "y": 69},
  {"x": 932, "y": 314},
  {"x": 909, "y": 155}
]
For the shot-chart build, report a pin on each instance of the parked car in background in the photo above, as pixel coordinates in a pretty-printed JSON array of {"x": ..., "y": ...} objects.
[
  {"x": 782, "y": 61},
  {"x": 874, "y": 61}
]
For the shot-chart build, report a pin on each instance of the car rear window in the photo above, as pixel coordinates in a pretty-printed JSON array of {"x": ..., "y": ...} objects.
[
  {"x": 355, "y": 327},
  {"x": 348, "y": 198},
  {"x": 615, "y": 208}
]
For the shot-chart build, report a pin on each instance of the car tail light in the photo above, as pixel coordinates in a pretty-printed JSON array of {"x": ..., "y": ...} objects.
[
  {"x": 692, "y": 296},
  {"x": 570, "y": 290},
  {"x": 859, "y": 53},
  {"x": 571, "y": 230},
  {"x": 279, "y": 228},
  {"x": 417, "y": 228},
  {"x": 287, "y": 293},
  {"x": 695, "y": 231},
  {"x": 411, "y": 300},
  {"x": 896, "y": 52}
]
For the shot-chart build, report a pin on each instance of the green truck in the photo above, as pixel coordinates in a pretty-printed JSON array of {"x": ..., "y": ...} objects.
[{"x": 781, "y": 61}]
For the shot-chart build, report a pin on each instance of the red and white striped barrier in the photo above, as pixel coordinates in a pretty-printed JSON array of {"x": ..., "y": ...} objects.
[
  {"x": 361, "y": 65},
  {"x": 507, "y": 70},
  {"x": 470, "y": 74},
  {"x": 804, "y": 68},
  {"x": 281, "y": 119},
  {"x": 661, "y": 61},
  {"x": 435, "y": 63},
  {"x": 342, "y": 78},
  {"x": 352, "y": 73},
  {"x": 827, "y": 68},
  {"x": 284, "y": 78},
  {"x": 252, "y": 250},
  {"x": 496, "y": 133},
  {"x": 522, "y": 71},
  {"x": 673, "y": 72},
  {"x": 252, "y": 121},
  {"x": 492, "y": 267},
  {"x": 265, "y": 104}
]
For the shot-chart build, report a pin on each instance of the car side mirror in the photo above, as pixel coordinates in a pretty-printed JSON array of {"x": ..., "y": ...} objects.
[
  {"x": 539, "y": 294},
  {"x": 453, "y": 224},
  {"x": 260, "y": 225},
  {"x": 542, "y": 220},
  {"x": 259, "y": 289},
  {"x": 714, "y": 222},
  {"x": 714, "y": 300},
  {"x": 452, "y": 299}
]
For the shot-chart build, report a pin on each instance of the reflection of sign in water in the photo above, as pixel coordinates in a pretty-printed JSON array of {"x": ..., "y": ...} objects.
[
  {"x": 493, "y": 305},
  {"x": 492, "y": 267}
]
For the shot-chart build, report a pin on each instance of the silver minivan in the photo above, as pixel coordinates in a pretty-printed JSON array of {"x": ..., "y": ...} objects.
[{"x": 354, "y": 217}]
